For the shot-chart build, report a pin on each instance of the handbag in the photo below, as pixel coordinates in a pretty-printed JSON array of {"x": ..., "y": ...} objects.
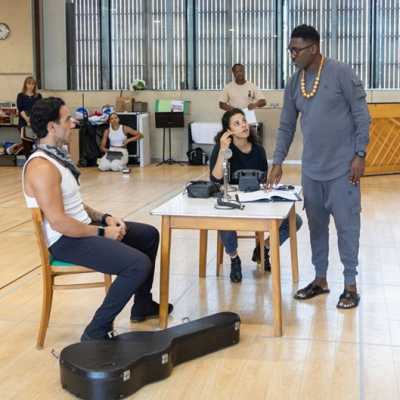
[{"x": 202, "y": 189}]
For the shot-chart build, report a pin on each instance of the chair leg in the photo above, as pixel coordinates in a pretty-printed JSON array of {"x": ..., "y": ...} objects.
[
  {"x": 46, "y": 310},
  {"x": 220, "y": 254},
  {"x": 107, "y": 282}
]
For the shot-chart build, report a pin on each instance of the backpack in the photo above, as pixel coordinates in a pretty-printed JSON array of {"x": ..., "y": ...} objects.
[{"x": 197, "y": 156}]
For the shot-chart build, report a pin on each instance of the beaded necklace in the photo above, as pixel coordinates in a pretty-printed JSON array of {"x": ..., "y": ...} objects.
[{"x": 315, "y": 85}]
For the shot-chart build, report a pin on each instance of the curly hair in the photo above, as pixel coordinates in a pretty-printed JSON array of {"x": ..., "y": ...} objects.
[{"x": 45, "y": 111}]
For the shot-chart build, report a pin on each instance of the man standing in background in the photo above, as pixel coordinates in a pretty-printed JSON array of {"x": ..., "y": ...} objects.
[{"x": 240, "y": 93}]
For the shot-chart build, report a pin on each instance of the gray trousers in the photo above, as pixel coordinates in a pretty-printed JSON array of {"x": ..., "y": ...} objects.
[{"x": 341, "y": 199}]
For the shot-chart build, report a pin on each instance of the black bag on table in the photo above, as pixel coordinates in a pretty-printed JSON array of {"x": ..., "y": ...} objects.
[{"x": 202, "y": 189}]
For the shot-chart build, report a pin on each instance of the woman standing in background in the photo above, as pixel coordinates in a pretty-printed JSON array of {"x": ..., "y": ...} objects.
[{"x": 25, "y": 101}]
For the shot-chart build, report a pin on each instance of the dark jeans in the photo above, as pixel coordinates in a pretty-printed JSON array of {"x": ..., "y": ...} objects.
[
  {"x": 131, "y": 260},
  {"x": 230, "y": 241}
]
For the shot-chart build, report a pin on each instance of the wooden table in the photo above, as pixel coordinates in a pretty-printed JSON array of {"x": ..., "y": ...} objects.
[{"x": 182, "y": 212}]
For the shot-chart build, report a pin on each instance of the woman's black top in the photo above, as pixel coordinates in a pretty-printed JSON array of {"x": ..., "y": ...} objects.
[
  {"x": 25, "y": 103},
  {"x": 256, "y": 159}
]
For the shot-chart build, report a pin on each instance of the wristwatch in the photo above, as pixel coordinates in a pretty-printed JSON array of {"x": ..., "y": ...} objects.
[
  {"x": 101, "y": 231},
  {"x": 361, "y": 154}
]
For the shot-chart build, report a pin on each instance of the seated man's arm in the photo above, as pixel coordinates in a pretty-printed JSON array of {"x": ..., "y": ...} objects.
[
  {"x": 94, "y": 215},
  {"x": 97, "y": 217},
  {"x": 44, "y": 181}
]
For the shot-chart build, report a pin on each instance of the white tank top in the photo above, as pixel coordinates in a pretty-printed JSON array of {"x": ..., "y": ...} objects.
[
  {"x": 72, "y": 200},
  {"x": 116, "y": 137}
]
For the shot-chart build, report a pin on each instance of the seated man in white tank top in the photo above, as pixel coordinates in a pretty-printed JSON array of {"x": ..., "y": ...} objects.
[
  {"x": 79, "y": 234},
  {"x": 119, "y": 136}
]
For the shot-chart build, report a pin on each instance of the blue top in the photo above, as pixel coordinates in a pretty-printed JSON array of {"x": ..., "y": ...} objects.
[
  {"x": 335, "y": 122},
  {"x": 25, "y": 103}
]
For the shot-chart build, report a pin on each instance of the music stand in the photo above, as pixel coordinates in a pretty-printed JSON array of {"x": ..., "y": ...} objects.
[{"x": 169, "y": 120}]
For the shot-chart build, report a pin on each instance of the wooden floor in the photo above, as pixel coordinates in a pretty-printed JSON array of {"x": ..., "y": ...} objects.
[{"x": 324, "y": 353}]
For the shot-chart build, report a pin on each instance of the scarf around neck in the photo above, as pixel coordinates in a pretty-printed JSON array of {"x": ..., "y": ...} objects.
[{"x": 62, "y": 157}]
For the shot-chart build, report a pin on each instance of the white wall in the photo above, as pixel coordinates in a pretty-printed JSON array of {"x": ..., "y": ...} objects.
[{"x": 16, "y": 51}]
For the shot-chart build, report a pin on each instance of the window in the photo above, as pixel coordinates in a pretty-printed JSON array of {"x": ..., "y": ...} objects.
[
  {"x": 86, "y": 64},
  {"x": 353, "y": 22},
  {"x": 213, "y": 36},
  {"x": 167, "y": 61},
  {"x": 192, "y": 44},
  {"x": 387, "y": 72},
  {"x": 127, "y": 42},
  {"x": 235, "y": 31}
]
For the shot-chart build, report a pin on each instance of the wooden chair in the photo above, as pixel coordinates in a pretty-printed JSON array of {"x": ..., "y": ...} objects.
[
  {"x": 260, "y": 240},
  {"x": 52, "y": 268}
]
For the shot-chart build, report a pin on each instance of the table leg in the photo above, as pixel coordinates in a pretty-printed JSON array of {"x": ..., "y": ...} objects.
[
  {"x": 293, "y": 244},
  {"x": 220, "y": 253},
  {"x": 276, "y": 278},
  {"x": 261, "y": 241},
  {"x": 203, "y": 253},
  {"x": 164, "y": 270}
]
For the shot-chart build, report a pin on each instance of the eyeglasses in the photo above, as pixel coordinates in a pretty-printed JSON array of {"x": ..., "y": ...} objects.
[{"x": 296, "y": 50}]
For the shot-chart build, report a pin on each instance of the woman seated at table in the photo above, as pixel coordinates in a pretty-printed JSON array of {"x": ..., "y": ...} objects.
[
  {"x": 118, "y": 137},
  {"x": 246, "y": 154}
]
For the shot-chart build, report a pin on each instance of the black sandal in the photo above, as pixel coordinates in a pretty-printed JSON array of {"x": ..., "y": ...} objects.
[
  {"x": 310, "y": 291},
  {"x": 352, "y": 300}
]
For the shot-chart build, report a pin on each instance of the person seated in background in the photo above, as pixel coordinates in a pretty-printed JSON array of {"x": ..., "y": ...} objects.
[
  {"x": 78, "y": 234},
  {"x": 25, "y": 101},
  {"x": 246, "y": 154},
  {"x": 118, "y": 136}
]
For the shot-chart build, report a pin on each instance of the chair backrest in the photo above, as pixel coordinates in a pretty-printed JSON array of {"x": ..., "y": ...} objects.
[{"x": 37, "y": 218}]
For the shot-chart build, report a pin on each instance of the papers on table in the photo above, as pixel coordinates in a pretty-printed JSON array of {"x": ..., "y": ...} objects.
[
  {"x": 271, "y": 195},
  {"x": 250, "y": 116}
]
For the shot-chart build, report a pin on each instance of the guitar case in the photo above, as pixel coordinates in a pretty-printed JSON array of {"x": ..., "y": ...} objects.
[{"x": 114, "y": 369}]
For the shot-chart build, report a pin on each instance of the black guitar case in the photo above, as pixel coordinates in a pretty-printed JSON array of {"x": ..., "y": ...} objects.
[{"x": 114, "y": 369}]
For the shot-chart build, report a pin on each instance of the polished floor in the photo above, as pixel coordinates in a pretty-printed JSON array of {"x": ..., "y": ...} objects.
[{"x": 324, "y": 353}]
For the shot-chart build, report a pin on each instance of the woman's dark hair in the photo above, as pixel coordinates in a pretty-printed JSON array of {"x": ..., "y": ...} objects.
[
  {"x": 109, "y": 117},
  {"x": 306, "y": 32},
  {"x": 45, "y": 111},
  {"x": 226, "y": 118}
]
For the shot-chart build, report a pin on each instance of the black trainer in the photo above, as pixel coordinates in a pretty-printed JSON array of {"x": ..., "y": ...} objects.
[
  {"x": 100, "y": 336},
  {"x": 256, "y": 257},
  {"x": 148, "y": 310},
  {"x": 236, "y": 270}
]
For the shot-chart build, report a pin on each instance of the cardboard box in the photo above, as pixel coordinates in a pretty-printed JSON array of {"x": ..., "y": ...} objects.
[
  {"x": 140, "y": 106},
  {"x": 124, "y": 103}
]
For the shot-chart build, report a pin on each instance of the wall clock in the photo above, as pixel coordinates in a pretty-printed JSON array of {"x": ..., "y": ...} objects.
[{"x": 4, "y": 31}]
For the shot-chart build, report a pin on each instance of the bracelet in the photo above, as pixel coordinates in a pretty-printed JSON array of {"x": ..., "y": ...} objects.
[
  {"x": 101, "y": 231},
  {"x": 103, "y": 219}
]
